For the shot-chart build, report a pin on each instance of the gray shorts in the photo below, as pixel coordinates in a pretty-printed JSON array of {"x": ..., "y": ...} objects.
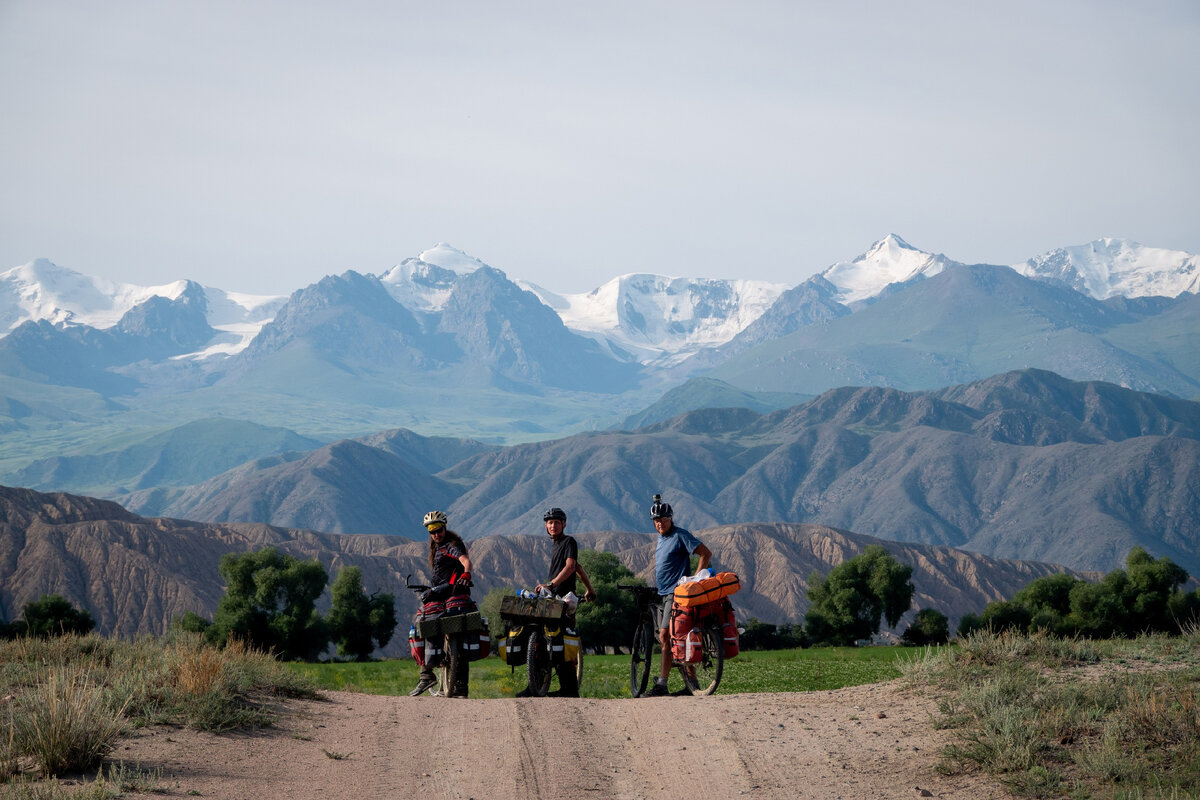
[{"x": 664, "y": 613}]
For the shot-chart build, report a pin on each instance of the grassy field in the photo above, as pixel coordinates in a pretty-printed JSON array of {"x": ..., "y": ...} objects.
[{"x": 608, "y": 676}]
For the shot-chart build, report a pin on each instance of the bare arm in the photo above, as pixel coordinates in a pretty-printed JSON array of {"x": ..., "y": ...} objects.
[{"x": 705, "y": 557}]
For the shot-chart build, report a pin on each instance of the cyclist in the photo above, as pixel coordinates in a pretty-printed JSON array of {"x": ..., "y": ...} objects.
[
  {"x": 564, "y": 566},
  {"x": 448, "y": 564},
  {"x": 671, "y": 559}
]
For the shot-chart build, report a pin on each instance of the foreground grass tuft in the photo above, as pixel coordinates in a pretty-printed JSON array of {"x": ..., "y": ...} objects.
[
  {"x": 1082, "y": 719},
  {"x": 69, "y": 698}
]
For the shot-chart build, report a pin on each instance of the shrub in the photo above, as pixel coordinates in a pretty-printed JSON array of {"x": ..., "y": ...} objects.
[{"x": 66, "y": 722}]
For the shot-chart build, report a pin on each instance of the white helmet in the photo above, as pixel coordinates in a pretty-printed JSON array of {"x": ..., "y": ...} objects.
[{"x": 435, "y": 518}]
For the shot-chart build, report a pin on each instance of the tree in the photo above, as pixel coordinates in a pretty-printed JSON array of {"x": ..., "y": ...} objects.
[
  {"x": 53, "y": 615},
  {"x": 609, "y": 620},
  {"x": 489, "y": 609},
  {"x": 929, "y": 627},
  {"x": 358, "y": 623},
  {"x": 847, "y": 605},
  {"x": 270, "y": 601}
]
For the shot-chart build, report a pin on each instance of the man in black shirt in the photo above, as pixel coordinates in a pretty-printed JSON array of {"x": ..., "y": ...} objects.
[{"x": 564, "y": 567}]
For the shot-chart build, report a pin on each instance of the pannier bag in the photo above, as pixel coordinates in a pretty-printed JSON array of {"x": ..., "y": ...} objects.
[
  {"x": 729, "y": 630},
  {"x": 433, "y": 653},
  {"x": 478, "y": 644},
  {"x": 512, "y": 646},
  {"x": 685, "y": 636},
  {"x": 707, "y": 590},
  {"x": 571, "y": 644},
  {"x": 426, "y": 652},
  {"x": 554, "y": 644},
  {"x": 416, "y": 645}
]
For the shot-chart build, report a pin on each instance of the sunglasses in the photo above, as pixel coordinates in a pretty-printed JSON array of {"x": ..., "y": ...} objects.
[{"x": 435, "y": 527}]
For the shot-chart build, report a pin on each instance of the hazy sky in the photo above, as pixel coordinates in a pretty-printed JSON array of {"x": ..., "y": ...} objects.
[{"x": 257, "y": 146}]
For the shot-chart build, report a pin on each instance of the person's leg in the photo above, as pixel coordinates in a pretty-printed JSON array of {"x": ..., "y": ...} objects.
[{"x": 426, "y": 680}]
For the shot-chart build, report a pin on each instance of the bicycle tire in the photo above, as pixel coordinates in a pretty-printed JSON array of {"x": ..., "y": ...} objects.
[
  {"x": 641, "y": 656},
  {"x": 711, "y": 664},
  {"x": 537, "y": 662},
  {"x": 454, "y": 668},
  {"x": 579, "y": 668}
]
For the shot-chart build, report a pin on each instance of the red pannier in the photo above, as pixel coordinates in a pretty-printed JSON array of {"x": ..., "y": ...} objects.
[
  {"x": 426, "y": 651},
  {"x": 686, "y": 646}
]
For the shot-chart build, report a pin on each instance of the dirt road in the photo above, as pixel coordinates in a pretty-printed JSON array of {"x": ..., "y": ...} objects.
[{"x": 863, "y": 742}]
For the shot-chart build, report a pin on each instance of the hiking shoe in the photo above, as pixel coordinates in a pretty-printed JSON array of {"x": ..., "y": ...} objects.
[
  {"x": 657, "y": 690},
  {"x": 423, "y": 685}
]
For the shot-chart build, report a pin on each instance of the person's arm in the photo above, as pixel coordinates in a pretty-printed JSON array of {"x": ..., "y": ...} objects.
[
  {"x": 465, "y": 560},
  {"x": 590, "y": 594},
  {"x": 705, "y": 556},
  {"x": 570, "y": 568}
]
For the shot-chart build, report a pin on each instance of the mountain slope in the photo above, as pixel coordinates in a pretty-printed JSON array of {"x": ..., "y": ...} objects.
[
  {"x": 1013, "y": 466},
  {"x": 180, "y": 456},
  {"x": 344, "y": 487},
  {"x": 961, "y": 325}
]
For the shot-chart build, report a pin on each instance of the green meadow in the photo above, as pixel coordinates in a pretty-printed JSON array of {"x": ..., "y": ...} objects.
[{"x": 607, "y": 676}]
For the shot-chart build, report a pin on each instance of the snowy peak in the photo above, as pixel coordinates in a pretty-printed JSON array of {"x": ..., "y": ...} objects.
[
  {"x": 1109, "y": 267},
  {"x": 424, "y": 283},
  {"x": 43, "y": 290},
  {"x": 656, "y": 316},
  {"x": 891, "y": 260}
]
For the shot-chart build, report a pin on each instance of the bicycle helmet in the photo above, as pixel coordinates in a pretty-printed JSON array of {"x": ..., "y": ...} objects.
[
  {"x": 554, "y": 513},
  {"x": 434, "y": 519},
  {"x": 660, "y": 509}
]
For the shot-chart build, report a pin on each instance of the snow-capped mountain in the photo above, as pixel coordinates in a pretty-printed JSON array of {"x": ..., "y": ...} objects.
[
  {"x": 646, "y": 318},
  {"x": 658, "y": 318},
  {"x": 1110, "y": 267},
  {"x": 424, "y": 283},
  {"x": 43, "y": 290},
  {"x": 890, "y": 261}
]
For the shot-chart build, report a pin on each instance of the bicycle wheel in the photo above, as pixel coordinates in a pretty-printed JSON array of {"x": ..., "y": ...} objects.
[
  {"x": 537, "y": 662},
  {"x": 454, "y": 668},
  {"x": 641, "y": 656},
  {"x": 712, "y": 662}
]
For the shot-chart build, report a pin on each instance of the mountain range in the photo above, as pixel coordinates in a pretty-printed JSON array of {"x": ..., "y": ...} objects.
[
  {"x": 136, "y": 574},
  {"x": 1036, "y": 410},
  {"x": 1022, "y": 465}
]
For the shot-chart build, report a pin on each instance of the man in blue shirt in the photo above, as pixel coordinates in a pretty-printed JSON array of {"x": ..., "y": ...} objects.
[{"x": 672, "y": 557}]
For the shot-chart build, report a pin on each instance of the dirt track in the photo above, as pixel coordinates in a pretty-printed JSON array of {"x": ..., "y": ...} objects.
[{"x": 864, "y": 742}]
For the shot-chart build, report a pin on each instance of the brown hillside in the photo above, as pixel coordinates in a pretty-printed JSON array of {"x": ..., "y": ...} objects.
[{"x": 136, "y": 574}]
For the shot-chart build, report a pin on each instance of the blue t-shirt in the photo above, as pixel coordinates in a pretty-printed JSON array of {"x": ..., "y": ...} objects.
[{"x": 672, "y": 557}]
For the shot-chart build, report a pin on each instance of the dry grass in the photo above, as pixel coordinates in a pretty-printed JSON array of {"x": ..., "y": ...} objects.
[
  {"x": 1082, "y": 719},
  {"x": 69, "y": 698}
]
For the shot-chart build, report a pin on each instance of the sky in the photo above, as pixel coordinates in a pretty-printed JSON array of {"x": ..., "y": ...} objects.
[{"x": 259, "y": 146}]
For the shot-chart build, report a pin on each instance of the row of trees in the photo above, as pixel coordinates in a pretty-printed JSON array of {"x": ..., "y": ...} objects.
[
  {"x": 1144, "y": 597},
  {"x": 270, "y": 602}
]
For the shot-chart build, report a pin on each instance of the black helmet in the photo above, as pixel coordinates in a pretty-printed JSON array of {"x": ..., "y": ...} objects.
[
  {"x": 554, "y": 513},
  {"x": 660, "y": 509}
]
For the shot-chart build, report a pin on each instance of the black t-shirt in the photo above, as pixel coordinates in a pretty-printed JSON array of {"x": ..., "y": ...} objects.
[
  {"x": 446, "y": 563},
  {"x": 563, "y": 549}
]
